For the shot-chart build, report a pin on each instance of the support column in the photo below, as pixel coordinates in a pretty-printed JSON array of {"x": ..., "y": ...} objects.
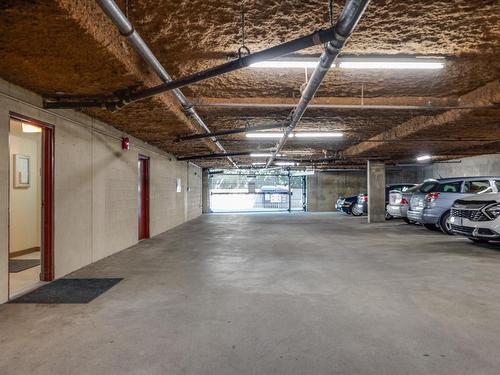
[
  {"x": 376, "y": 191},
  {"x": 205, "y": 192}
]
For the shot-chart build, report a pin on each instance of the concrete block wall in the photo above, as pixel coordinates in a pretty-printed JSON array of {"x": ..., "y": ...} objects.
[
  {"x": 323, "y": 189},
  {"x": 485, "y": 165},
  {"x": 95, "y": 186}
]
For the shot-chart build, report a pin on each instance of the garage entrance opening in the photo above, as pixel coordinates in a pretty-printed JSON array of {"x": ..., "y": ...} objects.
[
  {"x": 257, "y": 192},
  {"x": 30, "y": 204}
]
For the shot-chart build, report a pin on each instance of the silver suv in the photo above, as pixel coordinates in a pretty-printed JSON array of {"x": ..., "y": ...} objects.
[{"x": 431, "y": 204}]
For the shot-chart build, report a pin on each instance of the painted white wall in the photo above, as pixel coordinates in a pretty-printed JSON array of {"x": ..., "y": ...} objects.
[
  {"x": 25, "y": 202},
  {"x": 95, "y": 188}
]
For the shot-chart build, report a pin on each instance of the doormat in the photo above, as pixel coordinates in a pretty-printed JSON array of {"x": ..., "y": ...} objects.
[
  {"x": 69, "y": 291},
  {"x": 18, "y": 265}
]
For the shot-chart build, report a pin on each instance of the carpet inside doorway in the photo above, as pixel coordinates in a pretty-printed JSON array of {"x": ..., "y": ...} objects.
[
  {"x": 18, "y": 265},
  {"x": 69, "y": 291}
]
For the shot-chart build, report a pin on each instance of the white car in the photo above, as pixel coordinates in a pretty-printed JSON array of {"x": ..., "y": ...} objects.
[{"x": 477, "y": 217}]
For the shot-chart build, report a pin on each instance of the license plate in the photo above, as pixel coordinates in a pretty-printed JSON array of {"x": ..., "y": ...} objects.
[{"x": 456, "y": 220}]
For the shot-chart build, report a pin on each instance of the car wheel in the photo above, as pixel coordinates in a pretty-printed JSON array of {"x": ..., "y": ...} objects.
[
  {"x": 354, "y": 210},
  {"x": 388, "y": 216},
  {"x": 445, "y": 224},
  {"x": 432, "y": 227},
  {"x": 407, "y": 221},
  {"x": 479, "y": 240}
]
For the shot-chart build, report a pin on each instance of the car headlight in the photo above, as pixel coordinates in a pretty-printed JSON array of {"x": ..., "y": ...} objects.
[{"x": 494, "y": 211}]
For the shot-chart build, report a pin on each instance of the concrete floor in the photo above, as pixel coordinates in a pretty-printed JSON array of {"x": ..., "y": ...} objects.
[{"x": 274, "y": 294}]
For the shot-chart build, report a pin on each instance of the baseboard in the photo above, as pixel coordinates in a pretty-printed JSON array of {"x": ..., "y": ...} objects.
[{"x": 24, "y": 252}]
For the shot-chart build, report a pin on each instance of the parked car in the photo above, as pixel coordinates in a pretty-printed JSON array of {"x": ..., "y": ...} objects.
[
  {"x": 347, "y": 205},
  {"x": 362, "y": 204},
  {"x": 477, "y": 217},
  {"x": 399, "y": 201},
  {"x": 431, "y": 204}
]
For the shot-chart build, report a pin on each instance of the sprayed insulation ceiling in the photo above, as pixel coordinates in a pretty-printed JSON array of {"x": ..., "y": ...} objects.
[{"x": 70, "y": 46}]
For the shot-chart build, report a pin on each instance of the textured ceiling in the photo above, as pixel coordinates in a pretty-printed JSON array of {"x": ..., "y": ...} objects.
[{"x": 68, "y": 45}]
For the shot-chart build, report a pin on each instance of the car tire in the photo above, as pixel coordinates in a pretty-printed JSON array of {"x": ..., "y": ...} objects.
[
  {"x": 407, "y": 221},
  {"x": 444, "y": 223},
  {"x": 388, "y": 216},
  {"x": 354, "y": 210},
  {"x": 432, "y": 227}
]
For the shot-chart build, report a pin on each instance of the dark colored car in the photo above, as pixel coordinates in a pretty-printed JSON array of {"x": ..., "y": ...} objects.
[
  {"x": 347, "y": 204},
  {"x": 362, "y": 201}
]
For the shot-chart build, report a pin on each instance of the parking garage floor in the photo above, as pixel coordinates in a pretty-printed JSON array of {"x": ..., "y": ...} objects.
[{"x": 273, "y": 294}]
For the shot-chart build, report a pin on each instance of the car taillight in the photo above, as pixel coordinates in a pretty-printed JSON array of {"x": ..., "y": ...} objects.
[
  {"x": 404, "y": 202},
  {"x": 365, "y": 198},
  {"x": 431, "y": 197}
]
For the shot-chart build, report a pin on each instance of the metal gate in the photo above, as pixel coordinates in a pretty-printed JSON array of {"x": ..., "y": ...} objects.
[{"x": 235, "y": 192}]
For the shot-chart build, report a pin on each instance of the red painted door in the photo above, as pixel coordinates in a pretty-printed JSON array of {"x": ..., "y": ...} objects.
[{"x": 143, "y": 197}]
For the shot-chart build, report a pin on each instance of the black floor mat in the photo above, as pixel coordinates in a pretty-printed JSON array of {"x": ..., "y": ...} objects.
[
  {"x": 18, "y": 265},
  {"x": 68, "y": 291}
]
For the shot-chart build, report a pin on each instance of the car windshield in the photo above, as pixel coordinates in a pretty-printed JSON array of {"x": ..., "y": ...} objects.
[
  {"x": 428, "y": 186},
  {"x": 413, "y": 189},
  {"x": 399, "y": 187}
]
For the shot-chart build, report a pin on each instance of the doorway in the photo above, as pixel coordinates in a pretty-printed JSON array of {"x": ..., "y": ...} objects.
[
  {"x": 143, "y": 197},
  {"x": 31, "y": 151}
]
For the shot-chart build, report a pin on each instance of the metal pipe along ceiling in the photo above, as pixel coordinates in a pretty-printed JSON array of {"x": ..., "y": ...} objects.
[
  {"x": 126, "y": 29},
  {"x": 342, "y": 30}
]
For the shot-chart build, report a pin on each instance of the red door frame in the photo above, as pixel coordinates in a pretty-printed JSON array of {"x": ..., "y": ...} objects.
[
  {"x": 143, "y": 214},
  {"x": 47, "y": 194}
]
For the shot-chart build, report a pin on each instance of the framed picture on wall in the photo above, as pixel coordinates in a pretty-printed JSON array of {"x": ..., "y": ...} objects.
[{"x": 21, "y": 171}]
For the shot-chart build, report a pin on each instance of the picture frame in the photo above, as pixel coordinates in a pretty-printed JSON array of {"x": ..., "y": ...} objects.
[{"x": 22, "y": 171}]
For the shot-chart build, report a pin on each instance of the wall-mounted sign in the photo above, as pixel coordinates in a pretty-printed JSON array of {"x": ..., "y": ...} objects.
[{"x": 21, "y": 171}]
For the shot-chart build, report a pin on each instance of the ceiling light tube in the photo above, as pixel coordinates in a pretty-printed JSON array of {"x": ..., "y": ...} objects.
[
  {"x": 419, "y": 62},
  {"x": 424, "y": 157},
  {"x": 262, "y": 155},
  {"x": 28, "y": 128},
  {"x": 392, "y": 64},
  {"x": 264, "y": 135},
  {"x": 286, "y": 163},
  {"x": 318, "y": 134},
  {"x": 259, "y": 163}
]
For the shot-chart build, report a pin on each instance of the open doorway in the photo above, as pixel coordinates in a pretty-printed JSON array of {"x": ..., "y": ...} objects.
[
  {"x": 143, "y": 197},
  {"x": 30, "y": 204}
]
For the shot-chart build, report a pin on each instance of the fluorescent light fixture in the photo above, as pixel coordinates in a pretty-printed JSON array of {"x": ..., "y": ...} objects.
[
  {"x": 286, "y": 64},
  {"x": 392, "y": 64},
  {"x": 28, "y": 128},
  {"x": 265, "y": 135},
  {"x": 262, "y": 155},
  {"x": 419, "y": 62},
  {"x": 424, "y": 157},
  {"x": 318, "y": 134},
  {"x": 260, "y": 163},
  {"x": 285, "y": 163}
]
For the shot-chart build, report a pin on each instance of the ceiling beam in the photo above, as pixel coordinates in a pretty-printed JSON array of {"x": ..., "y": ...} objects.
[
  {"x": 399, "y": 103},
  {"x": 487, "y": 95}
]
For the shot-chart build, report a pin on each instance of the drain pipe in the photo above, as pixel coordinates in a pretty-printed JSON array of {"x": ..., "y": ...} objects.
[
  {"x": 343, "y": 29},
  {"x": 126, "y": 29}
]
